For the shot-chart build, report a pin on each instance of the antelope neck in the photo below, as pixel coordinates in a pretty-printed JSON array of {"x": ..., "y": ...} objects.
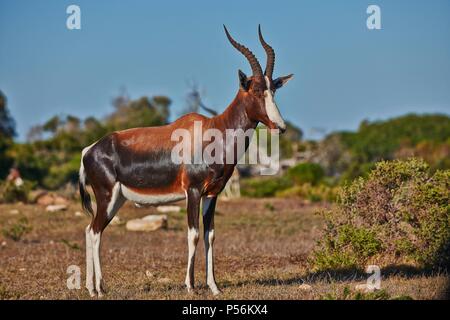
[{"x": 235, "y": 116}]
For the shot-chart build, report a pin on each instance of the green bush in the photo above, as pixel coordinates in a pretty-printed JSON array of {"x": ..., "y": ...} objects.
[
  {"x": 311, "y": 193},
  {"x": 17, "y": 230},
  {"x": 305, "y": 180},
  {"x": 399, "y": 213},
  {"x": 58, "y": 175},
  {"x": 264, "y": 187},
  {"x": 10, "y": 193},
  {"x": 311, "y": 173}
]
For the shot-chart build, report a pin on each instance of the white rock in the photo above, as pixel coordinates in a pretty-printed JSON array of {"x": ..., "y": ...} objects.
[
  {"x": 305, "y": 287},
  {"x": 3, "y": 243},
  {"x": 166, "y": 209},
  {"x": 364, "y": 288},
  {"x": 56, "y": 208},
  {"x": 148, "y": 223},
  {"x": 150, "y": 274},
  {"x": 79, "y": 214},
  {"x": 14, "y": 211},
  {"x": 164, "y": 280},
  {"x": 116, "y": 221},
  {"x": 155, "y": 217}
]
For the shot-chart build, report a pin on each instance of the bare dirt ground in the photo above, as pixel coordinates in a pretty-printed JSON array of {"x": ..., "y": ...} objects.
[{"x": 261, "y": 250}]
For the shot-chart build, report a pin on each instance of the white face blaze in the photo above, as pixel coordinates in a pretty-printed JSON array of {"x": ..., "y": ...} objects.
[{"x": 271, "y": 107}]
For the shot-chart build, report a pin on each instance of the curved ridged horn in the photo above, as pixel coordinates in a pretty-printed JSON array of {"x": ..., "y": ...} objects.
[
  {"x": 254, "y": 64},
  {"x": 270, "y": 55}
]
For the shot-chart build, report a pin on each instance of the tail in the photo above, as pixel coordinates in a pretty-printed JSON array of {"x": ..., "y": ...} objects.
[{"x": 85, "y": 197}]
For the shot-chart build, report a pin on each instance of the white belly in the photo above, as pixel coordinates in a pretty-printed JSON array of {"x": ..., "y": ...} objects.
[{"x": 155, "y": 199}]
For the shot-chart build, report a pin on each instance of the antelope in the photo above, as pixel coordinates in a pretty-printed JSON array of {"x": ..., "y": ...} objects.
[{"x": 135, "y": 165}]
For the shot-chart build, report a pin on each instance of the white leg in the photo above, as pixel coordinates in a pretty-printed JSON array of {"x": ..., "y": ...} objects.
[
  {"x": 192, "y": 245},
  {"x": 89, "y": 263},
  {"x": 209, "y": 206},
  {"x": 209, "y": 244},
  {"x": 96, "y": 239},
  {"x": 117, "y": 200}
]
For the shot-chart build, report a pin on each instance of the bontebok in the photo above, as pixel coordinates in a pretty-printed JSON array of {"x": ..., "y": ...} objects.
[{"x": 136, "y": 165}]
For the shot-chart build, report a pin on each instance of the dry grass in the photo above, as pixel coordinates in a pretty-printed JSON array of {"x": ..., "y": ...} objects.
[{"x": 261, "y": 253}]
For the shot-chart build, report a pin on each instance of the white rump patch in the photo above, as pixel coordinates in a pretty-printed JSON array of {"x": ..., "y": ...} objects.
[{"x": 81, "y": 172}]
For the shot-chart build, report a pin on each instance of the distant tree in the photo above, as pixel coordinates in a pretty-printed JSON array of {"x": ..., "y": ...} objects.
[
  {"x": 93, "y": 130},
  {"x": 379, "y": 140},
  {"x": 72, "y": 124},
  {"x": 33, "y": 160},
  {"x": 52, "y": 125},
  {"x": 333, "y": 155},
  {"x": 35, "y": 133},
  {"x": 7, "y": 133},
  {"x": 7, "y": 123},
  {"x": 162, "y": 104},
  {"x": 290, "y": 140},
  {"x": 91, "y": 124},
  {"x": 122, "y": 99},
  {"x": 353, "y": 154},
  {"x": 137, "y": 113},
  {"x": 143, "y": 112},
  {"x": 293, "y": 133},
  {"x": 194, "y": 102}
]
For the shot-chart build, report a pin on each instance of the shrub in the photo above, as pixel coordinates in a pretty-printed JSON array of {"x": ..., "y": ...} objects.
[
  {"x": 311, "y": 173},
  {"x": 264, "y": 187},
  {"x": 10, "y": 193},
  {"x": 311, "y": 193},
  {"x": 61, "y": 174},
  {"x": 17, "y": 230},
  {"x": 399, "y": 213}
]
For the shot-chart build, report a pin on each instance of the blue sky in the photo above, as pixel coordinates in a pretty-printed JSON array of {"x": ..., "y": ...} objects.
[{"x": 344, "y": 73}]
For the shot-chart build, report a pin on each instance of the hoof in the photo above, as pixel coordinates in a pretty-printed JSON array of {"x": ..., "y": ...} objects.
[
  {"x": 92, "y": 292},
  {"x": 101, "y": 292},
  {"x": 216, "y": 292},
  {"x": 214, "y": 289},
  {"x": 190, "y": 290}
]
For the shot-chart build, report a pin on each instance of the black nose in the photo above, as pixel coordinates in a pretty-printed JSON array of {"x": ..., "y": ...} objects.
[{"x": 282, "y": 130}]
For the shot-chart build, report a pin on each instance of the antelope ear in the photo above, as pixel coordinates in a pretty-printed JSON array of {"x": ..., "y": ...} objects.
[
  {"x": 281, "y": 81},
  {"x": 244, "y": 82}
]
